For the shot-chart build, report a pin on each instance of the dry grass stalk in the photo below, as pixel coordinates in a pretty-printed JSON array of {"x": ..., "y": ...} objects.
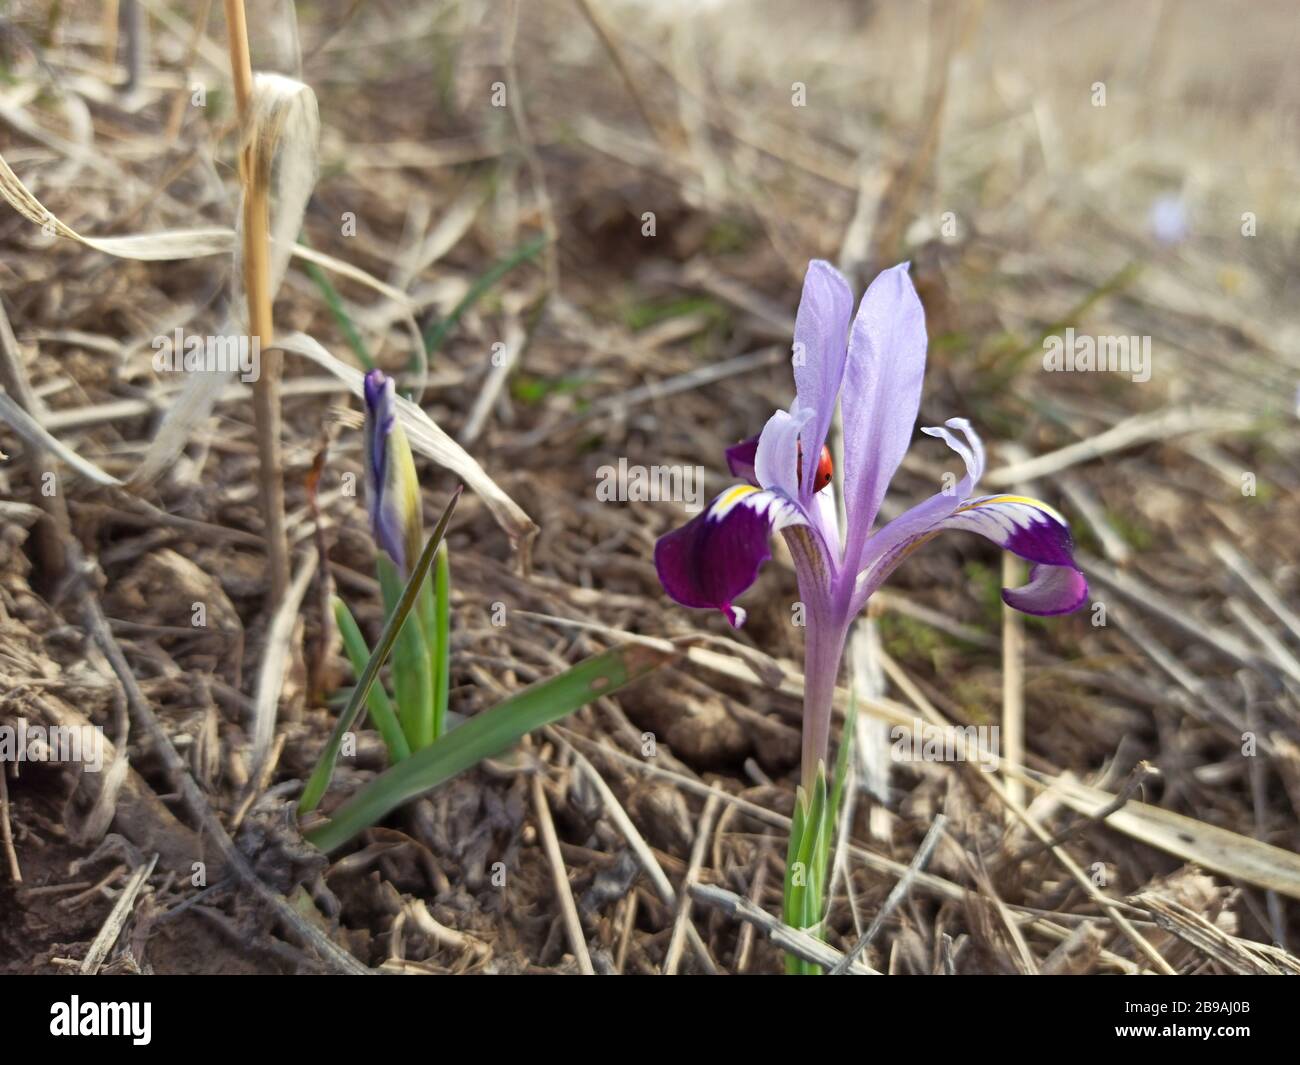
[
  {"x": 257, "y": 286},
  {"x": 1013, "y": 675}
]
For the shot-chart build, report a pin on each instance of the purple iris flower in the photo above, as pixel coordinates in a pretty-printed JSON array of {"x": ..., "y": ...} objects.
[
  {"x": 873, "y": 364},
  {"x": 392, "y": 489}
]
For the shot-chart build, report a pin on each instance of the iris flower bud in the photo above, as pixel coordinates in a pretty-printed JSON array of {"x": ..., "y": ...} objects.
[{"x": 392, "y": 491}]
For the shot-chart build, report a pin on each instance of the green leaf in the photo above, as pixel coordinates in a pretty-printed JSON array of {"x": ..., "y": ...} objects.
[
  {"x": 809, "y": 847},
  {"x": 320, "y": 777},
  {"x": 412, "y": 681},
  {"x": 813, "y": 851},
  {"x": 842, "y": 755},
  {"x": 793, "y": 903},
  {"x": 335, "y": 304},
  {"x": 796, "y": 895},
  {"x": 486, "y": 734},
  {"x": 381, "y": 710}
]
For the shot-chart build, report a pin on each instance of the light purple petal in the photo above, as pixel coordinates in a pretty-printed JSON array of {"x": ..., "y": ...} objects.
[
  {"x": 923, "y": 517},
  {"x": 824, "y": 512},
  {"x": 713, "y": 558},
  {"x": 972, "y": 451},
  {"x": 821, "y": 330},
  {"x": 740, "y": 459},
  {"x": 881, "y": 397},
  {"x": 1051, "y": 590},
  {"x": 1168, "y": 219},
  {"x": 776, "y": 463}
]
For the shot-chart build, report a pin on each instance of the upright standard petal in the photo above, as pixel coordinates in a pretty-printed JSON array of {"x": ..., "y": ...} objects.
[
  {"x": 881, "y": 397},
  {"x": 392, "y": 489},
  {"x": 821, "y": 329},
  {"x": 776, "y": 462},
  {"x": 713, "y": 558}
]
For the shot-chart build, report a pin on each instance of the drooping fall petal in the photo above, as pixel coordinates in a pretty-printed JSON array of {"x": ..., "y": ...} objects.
[
  {"x": 713, "y": 558},
  {"x": 1051, "y": 590},
  {"x": 1026, "y": 527}
]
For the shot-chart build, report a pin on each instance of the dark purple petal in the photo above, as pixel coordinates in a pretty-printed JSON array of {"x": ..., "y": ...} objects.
[
  {"x": 713, "y": 558},
  {"x": 821, "y": 329},
  {"x": 379, "y": 393},
  {"x": 1026, "y": 527},
  {"x": 882, "y": 394},
  {"x": 1037, "y": 533},
  {"x": 1051, "y": 590},
  {"x": 740, "y": 459}
]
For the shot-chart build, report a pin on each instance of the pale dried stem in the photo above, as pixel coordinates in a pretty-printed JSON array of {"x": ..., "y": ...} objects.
[{"x": 257, "y": 285}]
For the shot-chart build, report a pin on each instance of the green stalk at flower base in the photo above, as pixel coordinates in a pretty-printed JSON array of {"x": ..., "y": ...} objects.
[
  {"x": 412, "y": 680},
  {"x": 417, "y": 634},
  {"x": 420, "y": 667},
  {"x": 812, "y": 829},
  {"x": 805, "y": 867}
]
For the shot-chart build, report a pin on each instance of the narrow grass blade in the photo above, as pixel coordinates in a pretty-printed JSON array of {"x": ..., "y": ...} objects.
[
  {"x": 340, "y": 314},
  {"x": 437, "y": 334},
  {"x": 487, "y": 734},
  {"x": 440, "y": 648},
  {"x": 320, "y": 777},
  {"x": 381, "y": 710},
  {"x": 819, "y": 857}
]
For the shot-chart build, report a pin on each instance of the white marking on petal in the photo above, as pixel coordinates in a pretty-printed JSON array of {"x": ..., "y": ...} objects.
[
  {"x": 1000, "y": 517},
  {"x": 778, "y": 510}
]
